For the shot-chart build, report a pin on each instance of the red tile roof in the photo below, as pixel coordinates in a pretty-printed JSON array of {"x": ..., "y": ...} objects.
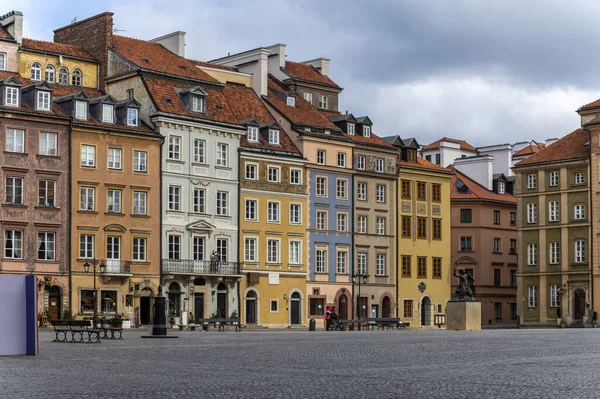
[
  {"x": 572, "y": 146},
  {"x": 56, "y": 110},
  {"x": 66, "y": 50},
  {"x": 154, "y": 57},
  {"x": 477, "y": 191},
  {"x": 530, "y": 149},
  {"x": 307, "y": 73},
  {"x": 4, "y": 34},
  {"x": 593, "y": 104},
  {"x": 463, "y": 144},
  {"x": 422, "y": 164},
  {"x": 215, "y": 66},
  {"x": 328, "y": 114}
]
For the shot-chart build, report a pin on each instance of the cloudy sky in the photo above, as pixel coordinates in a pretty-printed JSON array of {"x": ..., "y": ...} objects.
[{"x": 484, "y": 71}]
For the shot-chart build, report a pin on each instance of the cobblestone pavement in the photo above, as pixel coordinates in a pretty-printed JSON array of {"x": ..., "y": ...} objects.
[{"x": 299, "y": 364}]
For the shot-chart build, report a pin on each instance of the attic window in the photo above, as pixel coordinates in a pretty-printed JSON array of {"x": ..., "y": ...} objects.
[
  {"x": 146, "y": 60},
  {"x": 107, "y": 113},
  {"x": 351, "y": 129},
  {"x": 291, "y": 101},
  {"x": 273, "y": 136},
  {"x": 182, "y": 67},
  {"x": 168, "y": 101},
  {"x": 197, "y": 104},
  {"x": 501, "y": 188},
  {"x": 306, "y": 129},
  {"x": 12, "y": 96},
  {"x": 252, "y": 134},
  {"x": 36, "y": 71},
  {"x": 80, "y": 110},
  {"x": 43, "y": 101},
  {"x": 327, "y": 131},
  {"x": 461, "y": 187},
  {"x": 219, "y": 108},
  {"x": 132, "y": 117},
  {"x": 367, "y": 131}
]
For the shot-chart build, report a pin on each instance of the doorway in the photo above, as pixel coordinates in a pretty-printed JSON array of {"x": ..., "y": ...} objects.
[
  {"x": 386, "y": 308},
  {"x": 295, "y": 308},
  {"x": 54, "y": 303},
  {"x": 374, "y": 311},
  {"x": 343, "y": 307},
  {"x": 426, "y": 311},
  {"x": 222, "y": 301},
  {"x": 198, "y": 306},
  {"x": 579, "y": 310},
  {"x": 251, "y": 307}
]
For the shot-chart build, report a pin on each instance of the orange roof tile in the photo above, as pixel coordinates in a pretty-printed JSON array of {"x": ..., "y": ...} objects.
[
  {"x": 215, "y": 66},
  {"x": 530, "y": 149},
  {"x": 328, "y": 113},
  {"x": 423, "y": 164},
  {"x": 307, "y": 73},
  {"x": 66, "y": 50},
  {"x": 477, "y": 191},
  {"x": 24, "y": 108},
  {"x": 4, "y": 34},
  {"x": 572, "y": 146},
  {"x": 154, "y": 57},
  {"x": 373, "y": 140},
  {"x": 593, "y": 104},
  {"x": 463, "y": 144}
]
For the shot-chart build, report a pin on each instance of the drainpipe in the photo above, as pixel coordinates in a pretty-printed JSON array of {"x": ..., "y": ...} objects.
[
  {"x": 160, "y": 218},
  {"x": 396, "y": 243},
  {"x": 238, "y": 236},
  {"x": 592, "y": 228},
  {"x": 352, "y": 271},
  {"x": 70, "y": 216}
]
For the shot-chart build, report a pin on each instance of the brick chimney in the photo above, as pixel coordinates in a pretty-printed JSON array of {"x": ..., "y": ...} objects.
[
  {"x": 174, "y": 42},
  {"x": 13, "y": 23},
  {"x": 93, "y": 34}
]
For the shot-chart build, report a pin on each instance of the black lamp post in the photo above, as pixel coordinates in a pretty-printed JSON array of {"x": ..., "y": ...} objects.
[
  {"x": 358, "y": 278},
  {"x": 86, "y": 267}
]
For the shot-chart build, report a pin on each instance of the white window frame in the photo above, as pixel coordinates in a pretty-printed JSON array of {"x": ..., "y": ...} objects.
[
  {"x": 251, "y": 210},
  {"x": 15, "y": 140},
  {"x": 273, "y": 137},
  {"x": 86, "y": 246},
  {"x": 341, "y": 187},
  {"x": 321, "y": 220},
  {"x": 361, "y": 263},
  {"x": 380, "y": 165},
  {"x": 117, "y": 198},
  {"x": 132, "y": 117},
  {"x": 290, "y": 101},
  {"x": 579, "y": 178},
  {"x": 380, "y": 226},
  {"x": 48, "y": 185},
  {"x": 76, "y": 77},
  {"x": 380, "y": 193},
  {"x": 197, "y": 104},
  {"x": 341, "y": 223},
  {"x": 321, "y": 260},
  {"x": 138, "y": 249},
  {"x": 295, "y": 176},
  {"x": 501, "y": 187},
  {"x": 199, "y": 200},
  {"x": 554, "y": 252},
  {"x": 222, "y": 203},
  {"x": 553, "y": 211},
  {"x": 295, "y": 252},
  {"x": 48, "y": 239},
  {"x": 361, "y": 191},
  {"x": 108, "y": 113},
  {"x": 36, "y": 71},
  {"x": 554, "y": 178},
  {"x": 174, "y": 198},
  {"x": 86, "y": 151},
  {"x": 251, "y": 171},
  {"x": 14, "y": 195},
  {"x": 360, "y": 162},
  {"x": 42, "y": 102},
  {"x": 81, "y": 110},
  {"x": 351, "y": 129},
  {"x": 367, "y": 131},
  {"x": 222, "y": 155},
  {"x": 252, "y": 134},
  {"x": 250, "y": 249},
  {"x": 273, "y": 251},
  {"x": 532, "y": 254},
  {"x": 497, "y": 244},
  {"x": 174, "y": 246},
  {"x": 295, "y": 213},
  {"x": 174, "y": 148},
  {"x": 579, "y": 211},
  {"x": 531, "y": 181},
  {"x": 11, "y": 96},
  {"x": 323, "y": 102},
  {"x": 198, "y": 247},
  {"x": 273, "y": 174},
  {"x": 380, "y": 265},
  {"x": 115, "y": 158},
  {"x": 2, "y": 61},
  {"x": 273, "y": 212},
  {"x": 47, "y": 144},
  {"x": 308, "y": 97},
  {"x": 321, "y": 157},
  {"x": 321, "y": 187},
  {"x": 63, "y": 76},
  {"x": 532, "y": 296},
  {"x": 140, "y": 161},
  {"x": 554, "y": 298},
  {"x": 362, "y": 224},
  {"x": 86, "y": 199},
  {"x": 341, "y": 159},
  {"x": 580, "y": 256},
  {"x": 532, "y": 212},
  {"x": 140, "y": 203},
  {"x": 15, "y": 237},
  {"x": 50, "y": 74},
  {"x": 341, "y": 262}
]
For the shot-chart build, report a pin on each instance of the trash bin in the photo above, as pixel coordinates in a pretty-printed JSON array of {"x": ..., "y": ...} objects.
[{"x": 312, "y": 325}]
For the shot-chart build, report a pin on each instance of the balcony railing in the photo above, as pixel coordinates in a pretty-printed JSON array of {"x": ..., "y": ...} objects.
[
  {"x": 187, "y": 266},
  {"x": 117, "y": 266}
]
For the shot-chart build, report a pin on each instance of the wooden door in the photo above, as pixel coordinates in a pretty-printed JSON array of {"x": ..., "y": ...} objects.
[
  {"x": 579, "y": 310},
  {"x": 54, "y": 302}
]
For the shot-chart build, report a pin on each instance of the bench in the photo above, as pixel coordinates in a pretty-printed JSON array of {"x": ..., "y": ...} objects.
[
  {"x": 109, "y": 328},
  {"x": 220, "y": 324},
  {"x": 78, "y": 330}
]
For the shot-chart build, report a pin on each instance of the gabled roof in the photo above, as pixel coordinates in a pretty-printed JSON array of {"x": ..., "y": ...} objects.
[
  {"x": 106, "y": 99},
  {"x": 593, "y": 104},
  {"x": 423, "y": 165},
  {"x": 476, "y": 190},
  {"x": 11, "y": 80},
  {"x": 329, "y": 113},
  {"x": 153, "y": 56},
  {"x": 364, "y": 120},
  {"x": 15, "y": 79},
  {"x": 411, "y": 142},
  {"x": 463, "y": 144},
  {"x": 396, "y": 141},
  {"x": 307, "y": 73},
  {"x": 342, "y": 117},
  {"x": 572, "y": 146},
  {"x": 66, "y": 50},
  {"x": 529, "y": 150},
  {"x": 4, "y": 35}
]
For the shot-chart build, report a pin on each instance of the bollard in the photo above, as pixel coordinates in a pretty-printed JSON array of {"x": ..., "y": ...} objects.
[{"x": 312, "y": 325}]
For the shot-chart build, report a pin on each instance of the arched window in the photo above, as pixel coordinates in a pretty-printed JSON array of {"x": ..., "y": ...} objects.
[
  {"x": 76, "y": 78},
  {"x": 36, "y": 71},
  {"x": 63, "y": 76},
  {"x": 251, "y": 294},
  {"x": 50, "y": 74},
  {"x": 295, "y": 295},
  {"x": 174, "y": 297}
]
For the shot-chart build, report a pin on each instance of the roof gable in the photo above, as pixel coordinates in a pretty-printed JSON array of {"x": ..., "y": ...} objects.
[
  {"x": 573, "y": 146},
  {"x": 465, "y": 188},
  {"x": 307, "y": 73},
  {"x": 463, "y": 144}
]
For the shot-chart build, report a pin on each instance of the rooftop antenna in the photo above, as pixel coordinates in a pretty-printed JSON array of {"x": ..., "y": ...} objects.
[{"x": 74, "y": 20}]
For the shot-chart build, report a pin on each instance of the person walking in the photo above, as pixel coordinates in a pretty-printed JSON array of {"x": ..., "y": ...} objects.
[{"x": 328, "y": 317}]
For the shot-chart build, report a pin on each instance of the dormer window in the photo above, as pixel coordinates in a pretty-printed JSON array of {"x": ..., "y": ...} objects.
[
  {"x": 107, "y": 113},
  {"x": 50, "y": 74},
  {"x": 367, "y": 131},
  {"x": 327, "y": 131},
  {"x": 43, "y": 101},
  {"x": 197, "y": 104},
  {"x": 252, "y": 134},
  {"x": 291, "y": 101},
  {"x": 132, "y": 117},
  {"x": 501, "y": 188},
  {"x": 76, "y": 78},
  {"x": 80, "y": 110},
  {"x": 63, "y": 76},
  {"x": 36, "y": 71},
  {"x": 273, "y": 136},
  {"x": 351, "y": 129},
  {"x": 12, "y": 97},
  {"x": 306, "y": 129}
]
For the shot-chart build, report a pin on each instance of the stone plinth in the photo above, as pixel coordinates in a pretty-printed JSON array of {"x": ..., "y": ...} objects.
[{"x": 463, "y": 315}]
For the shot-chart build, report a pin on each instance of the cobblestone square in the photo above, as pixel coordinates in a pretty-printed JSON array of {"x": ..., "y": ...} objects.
[{"x": 288, "y": 364}]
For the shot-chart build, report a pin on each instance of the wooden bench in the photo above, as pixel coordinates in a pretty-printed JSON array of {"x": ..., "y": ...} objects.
[
  {"x": 220, "y": 324},
  {"x": 78, "y": 329}
]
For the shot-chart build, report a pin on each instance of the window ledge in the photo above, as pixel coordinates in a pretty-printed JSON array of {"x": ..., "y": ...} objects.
[
  {"x": 145, "y": 172},
  {"x": 223, "y": 167},
  {"x": 12, "y": 259},
  {"x": 273, "y": 264},
  {"x": 46, "y": 261},
  {"x": 47, "y": 208},
  {"x": 88, "y": 212},
  {"x": 15, "y": 153},
  {"x": 88, "y": 166},
  {"x": 114, "y": 169},
  {"x": 141, "y": 262},
  {"x": 382, "y": 275},
  {"x": 497, "y": 252},
  {"x": 172, "y": 211},
  {"x": 135, "y": 215},
  {"x": 465, "y": 250},
  {"x": 114, "y": 213},
  {"x": 200, "y": 164},
  {"x": 222, "y": 217},
  {"x": 175, "y": 161},
  {"x": 47, "y": 156},
  {"x": 15, "y": 205}
]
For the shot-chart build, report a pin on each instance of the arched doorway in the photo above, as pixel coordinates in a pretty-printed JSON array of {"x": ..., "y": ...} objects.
[
  {"x": 174, "y": 299},
  {"x": 146, "y": 306},
  {"x": 386, "y": 307},
  {"x": 343, "y": 307},
  {"x": 295, "y": 308},
  {"x": 54, "y": 303},
  {"x": 251, "y": 307},
  {"x": 579, "y": 310},
  {"x": 426, "y": 311},
  {"x": 221, "y": 300}
]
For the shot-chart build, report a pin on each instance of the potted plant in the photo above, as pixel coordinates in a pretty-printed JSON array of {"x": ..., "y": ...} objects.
[
  {"x": 67, "y": 314},
  {"x": 171, "y": 319},
  {"x": 117, "y": 321},
  {"x": 234, "y": 315}
]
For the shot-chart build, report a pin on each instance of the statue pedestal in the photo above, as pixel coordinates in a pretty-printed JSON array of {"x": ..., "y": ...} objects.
[{"x": 462, "y": 315}]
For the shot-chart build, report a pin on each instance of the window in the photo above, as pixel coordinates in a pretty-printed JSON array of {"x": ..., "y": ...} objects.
[
  {"x": 48, "y": 144},
  {"x": 107, "y": 113},
  {"x": 14, "y": 190},
  {"x": 175, "y": 147},
  {"x": 174, "y": 247},
  {"x": 351, "y": 129},
  {"x": 251, "y": 171},
  {"x": 132, "y": 117},
  {"x": 323, "y": 102},
  {"x": 321, "y": 261},
  {"x": 361, "y": 191},
  {"x": 513, "y": 278},
  {"x": 274, "y": 137},
  {"x": 252, "y": 134},
  {"x": 272, "y": 251},
  {"x": 273, "y": 212},
  {"x": 341, "y": 189},
  {"x": 308, "y": 97},
  {"x": 295, "y": 252},
  {"x": 321, "y": 157},
  {"x": 554, "y": 253},
  {"x": 501, "y": 187},
  {"x": 421, "y": 191},
  {"x": 43, "y": 101},
  {"x": 579, "y": 178},
  {"x": 408, "y": 308},
  {"x": 87, "y": 199},
  {"x": 295, "y": 214},
  {"x": 421, "y": 228},
  {"x": 380, "y": 265},
  {"x": 513, "y": 311},
  {"x": 87, "y": 300},
  {"x": 437, "y": 268},
  {"x": 88, "y": 155},
  {"x": 579, "y": 251},
  {"x": 342, "y": 260},
  {"x": 554, "y": 298},
  {"x": 130, "y": 94},
  {"x": 114, "y": 201},
  {"x": 199, "y": 201},
  {"x": 531, "y": 213},
  {"x": 2, "y": 61},
  {"x": 316, "y": 304},
  {"x": 15, "y": 140},
  {"x": 406, "y": 226},
  {"x": 222, "y": 203},
  {"x": 13, "y": 244},
  {"x": 361, "y": 262},
  {"x": 114, "y": 158},
  {"x": 321, "y": 187},
  {"x": 197, "y": 104},
  {"x": 436, "y": 192},
  {"x": 36, "y": 71},
  {"x": 367, "y": 131},
  {"x": 532, "y": 296},
  {"x": 554, "y": 178},
  {"x": 496, "y": 217},
  {"x": 360, "y": 162},
  {"x": 46, "y": 193},
  {"x": 406, "y": 265},
  {"x": 273, "y": 174},
  {"x": 296, "y": 176},
  {"x": 250, "y": 249},
  {"x": 174, "y": 198},
  {"x": 291, "y": 101},
  {"x": 198, "y": 246},
  {"x": 362, "y": 224},
  {"x": 341, "y": 221},
  {"x": 497, "y": 310},
  {"x": 46, "y": 246},
  {"x": 321, "y": 220},
  {"x": 466, "y": 244},
  {"x": 341, "y": 159},
  {"x": 274, "y": 306},
  {"x": 531, "y": 254},
  {"x": 531, "y": 181},
  {"x": 438, "y": 160},
  {"x": 579, "y": 212},
  {"x": 222, "y": 244},
  {"x": 76, "y": 78},
  {"x": 12, "y": 97},
  {"x": 139, "y": 202},
  {"x": 512, "y": 247},
  {"x": 421, "y": 267},
  {"x": 251, "y": 209},
  {"x": 86, "y": 246},
  {"x": 139, "y": 161},
  {"x": 553, "y": 211},
  {"x": 63, "y": 76},
  {"x": 513, "y": 219},
  {"x": 80, "y": 110},
  {"x": 437, "y": 229},
  {"x": 428, "y": 158},
  {"x": 380, "y": 193},
  {"x": 222, "y": 153},
  {"x": 139, "y": 249},
  {"x": 380, "y": 226},
  {"x": 497, "y": 245}
]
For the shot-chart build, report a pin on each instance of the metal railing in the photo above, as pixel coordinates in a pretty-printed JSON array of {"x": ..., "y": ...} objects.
[
  {"x": 188, "y": 266},
  {"x": 117, "y": 266}
]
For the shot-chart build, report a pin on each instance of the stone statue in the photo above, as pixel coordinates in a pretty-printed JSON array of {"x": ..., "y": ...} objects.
[{"x": 465, "y": 289}]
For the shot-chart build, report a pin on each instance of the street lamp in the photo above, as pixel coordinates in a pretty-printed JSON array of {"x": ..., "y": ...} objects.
[
  {"x": 86, "y": 267},
  {"x": 358, "y": 278}
]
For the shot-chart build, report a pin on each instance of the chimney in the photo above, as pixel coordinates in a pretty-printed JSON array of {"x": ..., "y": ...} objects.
[
  {"x": 254, "y": 62},
  {"x": 174, "y": 42},
  {"x": 321, "y": 64},
  {"x": 478, "y": 168},
  {"x": 13, "y": 23}
]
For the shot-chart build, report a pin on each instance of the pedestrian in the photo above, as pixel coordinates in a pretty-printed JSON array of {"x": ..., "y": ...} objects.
[{"x": 328, "y": 317}]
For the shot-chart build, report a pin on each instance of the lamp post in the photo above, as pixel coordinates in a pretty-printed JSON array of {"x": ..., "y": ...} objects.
[
  {"x": 358, "y": 278},
  {"x": 86, "y": 267}
]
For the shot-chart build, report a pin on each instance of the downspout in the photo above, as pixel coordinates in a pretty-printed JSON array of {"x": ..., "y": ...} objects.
[
  {"x": 352, "y": 271},
  {"x": 70, "y": 216},
  {"x": 592, "y": 235},
  {"x": 160, "y": 218},
  {"x": 396, "y": 243},
  {"x": 238, "y": 237}
]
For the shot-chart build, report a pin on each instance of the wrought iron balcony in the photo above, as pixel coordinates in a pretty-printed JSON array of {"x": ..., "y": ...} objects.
[
  {"x": 187, "y": 266},
  {"x": 117, "y": 266}
]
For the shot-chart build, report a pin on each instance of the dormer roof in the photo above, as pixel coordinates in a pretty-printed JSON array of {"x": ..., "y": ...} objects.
[
  {"x": 396, "y": 141},
  {"x": 364, "y": 120},
  {"x": 195, "y": 90},
  {"x": 307, "y": 73},
  {"x": 11, "y": 81},
  {"x": 105, "y": 99},
  {"x": 343, "y": 118},
  {"x": 78, "y": 95},
  {"x": 250, "y": 122}
]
